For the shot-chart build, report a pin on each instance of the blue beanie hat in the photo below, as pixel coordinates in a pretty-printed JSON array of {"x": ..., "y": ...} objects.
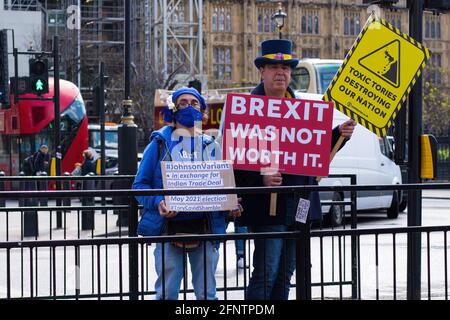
[{"x": 191, "y": 91}]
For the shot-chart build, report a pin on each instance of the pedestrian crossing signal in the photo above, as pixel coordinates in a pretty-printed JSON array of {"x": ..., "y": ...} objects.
[{"x": 39, "y": 76}]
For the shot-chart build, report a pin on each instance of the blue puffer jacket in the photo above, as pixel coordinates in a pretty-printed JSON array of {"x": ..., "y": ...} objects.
[{"x": 149, "y": 177}]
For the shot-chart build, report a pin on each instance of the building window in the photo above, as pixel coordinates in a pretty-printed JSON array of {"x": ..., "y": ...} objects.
[
  {"x": 310, "y": 22},
  {"x": 265, "y": 22},
  {"x": 436, "y": 64},
  {"x": 346, "y": 26},
  {"x": 214, "y": 21},
  {"x": 311, "y": 53},
  {"x": 395, "y": 20},
  {"x": 352, "y": 23},
  {"x": 221, "y": 20},
  {"x": 177, "y": 13},
  {"x": 432, "y": 27},
  {"x": 303, "y": 24},
  {"x": 222, "y": 67},
  {"x": 228, "y": 23},
  {"x": 316, "y": 25}
]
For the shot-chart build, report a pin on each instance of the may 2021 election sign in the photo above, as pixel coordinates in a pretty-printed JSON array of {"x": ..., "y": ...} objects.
[
  {"x": 377, "y": 75},
  {"x": 199, "y": 175},
  {"x": 277, "y": 134}
]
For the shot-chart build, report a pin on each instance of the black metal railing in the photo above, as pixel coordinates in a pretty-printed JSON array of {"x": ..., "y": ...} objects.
[{"x": 121, "y": 267}]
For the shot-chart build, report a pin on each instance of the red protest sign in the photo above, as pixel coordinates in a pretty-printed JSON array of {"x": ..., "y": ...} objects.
[{"x": 287, "y": 135}]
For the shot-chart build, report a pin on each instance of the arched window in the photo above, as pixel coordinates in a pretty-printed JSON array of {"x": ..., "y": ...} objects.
[
  {"x": 438, "y": 30},
  {"x": 214, "y": 22},
  {"x": 215, "y": 55},
  {"x": 433, "y": 30},
  {"x": 357, "y": 27},
  {"x": 316, "y": 25},
  {"x": 266, "y": 23},
  {"x": 260, "y": 23},
  {"x": 215, "y": 63},
  {"x": 221, "y": 22},
  {"x": 346, "y": 26},
  {"x": 228, "y": 23},
  {"x": 427, "y": 29},
  {"x": 399, "y": 24},
  {"x": 181, "y": 16},
  {"x": 352, "y": 26},
  {"x": 303, "y": 24},
  {"x": 309, "y": 23}
]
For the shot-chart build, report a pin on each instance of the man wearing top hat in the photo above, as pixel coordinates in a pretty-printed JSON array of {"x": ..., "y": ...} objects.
[{"x": 274, "y": 259}]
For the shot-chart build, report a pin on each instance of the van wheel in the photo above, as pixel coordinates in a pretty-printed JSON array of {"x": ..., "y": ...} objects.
[
  {"x": 392, "y": 211},
  {"x": 402, "y": 206},
  {"x": 335, "y": 216}
]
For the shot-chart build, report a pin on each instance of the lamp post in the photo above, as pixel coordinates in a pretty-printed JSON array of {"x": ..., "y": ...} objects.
[{"x": 279, "y": 18}]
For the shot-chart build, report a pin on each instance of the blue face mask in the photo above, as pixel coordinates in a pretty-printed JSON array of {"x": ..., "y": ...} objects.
[{"x": 188, "y": 116}]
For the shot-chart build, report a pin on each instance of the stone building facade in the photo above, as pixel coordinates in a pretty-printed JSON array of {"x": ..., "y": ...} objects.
[{"x": 326, "y": 29}]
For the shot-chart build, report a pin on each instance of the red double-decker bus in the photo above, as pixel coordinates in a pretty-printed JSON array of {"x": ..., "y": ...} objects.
[{"x": 25, "y": 126}]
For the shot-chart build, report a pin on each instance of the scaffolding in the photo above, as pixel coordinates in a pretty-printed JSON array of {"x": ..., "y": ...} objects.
[
  {"x": 22, "y": 5},
  {"x": 178, "y": 38},
  {"x": 99, "y": 36}
]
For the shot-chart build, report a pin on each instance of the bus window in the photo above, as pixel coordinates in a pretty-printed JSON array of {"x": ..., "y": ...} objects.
[
  {"x": 300, "y": 79},
  {"x": 325, "y": 73},
  {"x": 111, "y": 137}
]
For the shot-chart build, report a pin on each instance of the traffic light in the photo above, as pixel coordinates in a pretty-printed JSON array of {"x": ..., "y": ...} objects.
[
  {"x": 39, "y": 76},
  {"x": 4, "y": 77}
]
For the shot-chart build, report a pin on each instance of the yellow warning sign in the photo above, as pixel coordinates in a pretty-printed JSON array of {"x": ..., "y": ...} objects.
[{"x": 377, "y": 75}]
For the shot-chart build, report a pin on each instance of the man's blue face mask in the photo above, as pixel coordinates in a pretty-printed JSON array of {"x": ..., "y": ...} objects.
[{"x": 187, "y": 116}]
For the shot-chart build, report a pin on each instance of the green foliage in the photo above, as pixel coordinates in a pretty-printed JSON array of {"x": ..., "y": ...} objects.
[{"x": 436, "y": 105}]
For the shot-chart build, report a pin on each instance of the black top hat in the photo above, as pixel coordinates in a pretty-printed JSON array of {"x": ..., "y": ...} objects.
[{"x": 276, "y": 51}]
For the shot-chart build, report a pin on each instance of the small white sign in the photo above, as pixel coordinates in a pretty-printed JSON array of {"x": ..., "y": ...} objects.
[
  {"x": 199, "y": 175},
  {"x": 302, "y": 210}
]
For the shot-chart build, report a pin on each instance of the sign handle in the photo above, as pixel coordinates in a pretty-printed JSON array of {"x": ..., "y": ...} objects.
[
  {"x": 333, "y": 152},
  {"x": 273, "y": 204}
]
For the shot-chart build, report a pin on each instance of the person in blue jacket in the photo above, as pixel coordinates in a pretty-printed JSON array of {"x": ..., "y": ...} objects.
[{"x": 182, "y": 142}]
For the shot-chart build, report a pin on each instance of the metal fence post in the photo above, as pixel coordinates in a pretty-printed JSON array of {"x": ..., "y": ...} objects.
[
  {"x": 354, "y": 240},
  {"x": 42, "y": 186},
  {"x": 133, "y": 251},
  {"x": 303, "y": 261},
  {"x": 87, "y": 216},
  {"x": 2, "y": 188},
  {"x": 66, "y": 186},
  {"x": 30, "y": 218}
]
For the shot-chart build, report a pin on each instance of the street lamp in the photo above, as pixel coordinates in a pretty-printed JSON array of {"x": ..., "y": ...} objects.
[{"x": 279, "y": 18}]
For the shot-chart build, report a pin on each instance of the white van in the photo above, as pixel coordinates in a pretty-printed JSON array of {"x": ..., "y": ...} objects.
[{"x": 370, "y": 158}]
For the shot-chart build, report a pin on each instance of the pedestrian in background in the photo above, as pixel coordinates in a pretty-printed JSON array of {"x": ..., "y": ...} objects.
[
  {"x": 89, "y": 164},
  {"x": 42, "y": 160}
]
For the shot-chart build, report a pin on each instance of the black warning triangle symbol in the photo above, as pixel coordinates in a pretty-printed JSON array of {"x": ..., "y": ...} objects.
[{"x": 384, "y": 63}]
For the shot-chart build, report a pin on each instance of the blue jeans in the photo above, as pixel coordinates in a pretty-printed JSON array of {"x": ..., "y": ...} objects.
[
  {"x": 278, "y": 265},
  {"x": 174, "y": 271},
  {"x": 239, "y": 244}
]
